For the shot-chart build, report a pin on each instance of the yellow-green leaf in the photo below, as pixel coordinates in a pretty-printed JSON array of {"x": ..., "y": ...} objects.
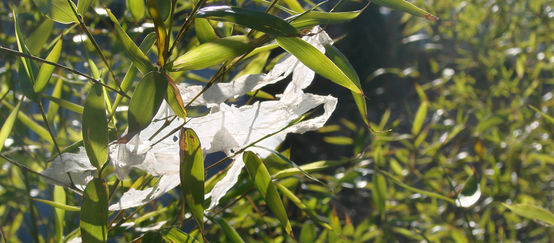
[
  {"x": 38, "y": 38},
  {"x": 59, "y": 213},
  {"x": 420, "y": 117},
  {"x": 173, "y": 98},
  {"x": 58, "y": 10},
  {"x": 8, "y": 125},
  {"x": 53, "y": 107},
  {"x": 137, "y": 8},
  {"x": 311, "y": 167},
  {"x": 212, "y": 53},
  {"x": 175, "y": 235},
  {"x": 65, "y": 104},
  {"x": 405, "y": 6},
  {"x": 204, "y": 30},
  {"x": 159, "y": 26},
  {"x": 379, "y": 192},
  {"x": 94, "y": 212},
  {"x": 59, "y": 205},
  {"x": 230, "y": 233},
  {"x": 532, "y": 212},
  {"x": 46, "y": 69},
  {"x": 95, "y": 127},
  {"x": 30, "y": 123},
  {"x": 27, "y": 70},
  {"x": 83, "y": 5},
  {"x": 146, "y": 101},
  {"x": 192, "y": 174},
  {"x": 312, "y": 18},
  {"x": 317, "y": 61},
  {"x": 250, "y": 18},
  {"x": 138, "y": 57},
  {"x": 262, "y": 180}
]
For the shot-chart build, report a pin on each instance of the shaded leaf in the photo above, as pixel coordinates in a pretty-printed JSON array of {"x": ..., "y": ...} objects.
[
  {"x": 95, "y": 127},
  {"x": 135, "y": 54},
  {"x": 174, "y": 98},
  {"x": 308, "y": 233},
  {"x": 137, "y": 8},
  {"x": 550, "y": 119},
  {"x": 53, "y": 107},
  {"x": 405, "y": 6},
  {"x": 58, "y": 10},
  {"x": 379, "y": 192},
  {"x": 192, "y": 174},
  {"x": 250, "y": 18},
  {"x": 413, "y": 189},
  {"x": 311, "y": 167},
  {"x": 94, "y": 213},
  {"x": 420, "y": 117},
  {"x": 83, "y": 5},
  {"x": 8, "y": 125},
  {"x": 212, "y": 53},
  {"x": 146, "y": 101},
  {"x": 532, "y": 212},
  {"x": 38, "y": 38},
  {"x": 230, "y": 233},
  {"x": 260, "y": 176},
  {"x": 154, "y": 8},
  {"x": 30, "y": 123},
  {"x": 28, "y": 70},
  {"x": 204, "y": 30},
  {"x": 46, "y": 69},
  {"x": 317, "y": 61}
]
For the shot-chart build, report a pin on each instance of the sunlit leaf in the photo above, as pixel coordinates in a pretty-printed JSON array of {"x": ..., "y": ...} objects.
[
  {"x": 137, "y": 8},
  {"x": 46, "y": 69},
  {"x": 212, "y": 53},
  {"x": 413, "y": 189},
  {"x": 83, "y": 6},
  {"x": 262, "y": 180},
  {"x": 175, "y": 235},
  {"x": 532, "y": 212},
  {"x": 8, "y": 125},
  {"x": 94, "y": 213},
  {"x": 59, "y": 213},
  {"x": 173, "y": 98},
  {"x": 95, "y": 127},
  {"x": 146, "y": 100},
  {"x": 250, "y": 18},
  {"x": 140, "y": 60},
  {"x": 53, "y": 107},
  {"x": 65, "y": 104},
  {"x": 420, "y": 117},
  {"x": 317, "y": 61},
  {"x": 38, "y": 38},
  {"x": 405, "y": 6},
  {"x": 30, "y": 123},
  {"x": 313, "y": 18},
  {"x": 161, "y": 32},
  {"x": 550, "y": 119},
  {"x": 230, "y": 233},
  {"x": 192, "y": 174},
  {"x": 58, "y": 10},
  {"x": 59, "y": 205},
  {"x": 204, "y": 30},
  {"x": 311, "y": 167}
]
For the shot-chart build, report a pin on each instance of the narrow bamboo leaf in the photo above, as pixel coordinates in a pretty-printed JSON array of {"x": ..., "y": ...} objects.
[
  {"x": 46, "y": 69},
  {"x": 308, "y": 233},
  {"x": 406, "y": 6},
  {"x": 30, "y": 123},
  {"x": 146, "y": 101},
  {"x": 161, "y": 32},
  {"x": 260, "y": 176},
  {"x": 317, "y": 61},
  {"x": 8, "y": 125},
  {"x": 173, "y": 98},
  {"x": 532, "y": 212},
  {"x": 38, "y": 38},
  {"x": 59, "y": 205},
  {"x": 65, "y": 104},
  {"x": 544, "y": 115},
  {"x": 53, "y": 107},
  {"x": 28, "y": 70},
  {"x": 230, "y": 233},
  {"x": 379, "y": 192},
  {"x": 59, "y": 213},
  {"x": 294, "y": 5},
  {"x": 290, "y": 162},
  {"x": 311, "y": 167},
  {"x": 313, "y": 18},
  {"x": 135, "y": 54},
  {"x": 420, "y": 117},
  {"x": 416, "y": 190},
  {"x": 58, "y": 10},
  {"x": 192, "y": 174},
  {"x": 83, "y": 6},
  {"x": 137, "y": 8},
  {"x": 94, "y": 213},
  {"x": 316, "y": 218},
  {"x": 212, "y": 53},
  {"x": 175, "y": 235},
  {"x": 250, "y": 18},
  {"x": 95, "y": 127},
  {"x": 342, "y": 62},
  {"x": 204, "y": 30}
]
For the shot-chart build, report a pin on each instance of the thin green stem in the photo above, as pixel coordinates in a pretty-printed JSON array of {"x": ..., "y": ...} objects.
[{"x": 186, "y": 25}]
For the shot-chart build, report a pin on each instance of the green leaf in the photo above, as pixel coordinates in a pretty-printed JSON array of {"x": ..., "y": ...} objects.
[
  {"x": 260, "y": 176},
  {"x": 212, "y": 53},
  {"x": 471, "y": 192},
  {"x": 311, "y": 167},
  {"x": 405, "y": 6},
  {"x": 8, "y": 125},
  {"x": 46, "y": 69},
  {"x": 173, "y": 98},
  {"x": 230, "y": 233},
  {"x": 28, "y": 69},
  {"x": 53, "y": 107},
  {"x": 59, "y": 205},
  {"x": 317, "y": 61},
  {"x": 65, "y": 104},
  {"x": 532, "y": 212},
  {"x": 83, "y": 5},
  {"x": 175, "y": 235},
  {"x": 544, "y": 115},
  {"x": 59, "y": 213},
  {"x": 95, "y": 127},
  {"x": 58, "y": 10},
  {"x": 94, "y": 213},
  {"x": 420, "y": 117},
  {"x": 161, "y": 32},
  {"x": 192, "y": 174},
  {"x": 379, "y": 192},
  {"x": 204, "y": 30},
  {"x": 290, "y": 162},
  {"x": 342, "y": 62},
  {"x": 146, "y": 101},
  {"x": 308, "y": 233},
  {"x": 250, "y": 18},
  {"x": 413, "y": 189},
  {"x": 137, "y": 8},
  {"x": 313, "y": 18},
  {"x": 30, "y": 123},
  {"x": 38, "y": 38},
  {"x": 133, "y": 51}
]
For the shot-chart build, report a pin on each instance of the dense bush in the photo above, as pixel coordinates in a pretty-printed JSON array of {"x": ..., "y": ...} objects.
[{"x": 453, "y": 142}]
